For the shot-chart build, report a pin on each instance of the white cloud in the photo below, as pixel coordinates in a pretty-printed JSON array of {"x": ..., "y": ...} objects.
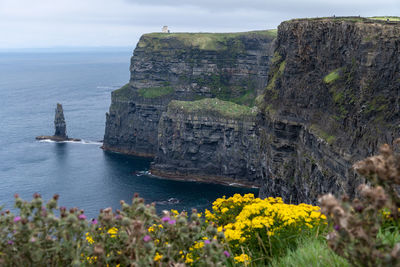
[{"x": 45, "y": 23}]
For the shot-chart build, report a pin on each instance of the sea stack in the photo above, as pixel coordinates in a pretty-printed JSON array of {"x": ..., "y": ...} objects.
[
  {"x": 60, "y": 126},
  {"x": 59, "y": 123}
]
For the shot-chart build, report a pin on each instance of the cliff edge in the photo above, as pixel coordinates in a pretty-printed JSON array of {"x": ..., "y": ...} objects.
[{"x": 332, "y": 98}]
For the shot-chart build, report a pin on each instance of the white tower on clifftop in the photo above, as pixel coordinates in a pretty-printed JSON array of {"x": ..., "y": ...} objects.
[{"x": 165, "y": 29}]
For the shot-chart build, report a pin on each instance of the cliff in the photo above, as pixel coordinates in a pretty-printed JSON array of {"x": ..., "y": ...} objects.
[
  {"x": 183, "y": 66},
  {"x": 208, "y": 140},
  {"x": 332, "y": 98}
]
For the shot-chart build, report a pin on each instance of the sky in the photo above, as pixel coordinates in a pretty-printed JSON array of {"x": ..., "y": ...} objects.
[{"x": 99, "y": 23}]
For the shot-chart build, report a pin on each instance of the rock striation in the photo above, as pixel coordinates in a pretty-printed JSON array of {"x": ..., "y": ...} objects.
[
  {"x": 332, "y": 99},
  {"x": 60, "y": 126},
  {"x": 329, "y": 96},
  {"x": 187, "y": 67},
  {"x": 208, "y": 140}
]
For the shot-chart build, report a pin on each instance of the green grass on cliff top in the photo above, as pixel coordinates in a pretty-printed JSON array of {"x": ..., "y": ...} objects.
[
  {"x": 211, "y": 107},
  {"x": 379, "y": 19},
  {"x": 385, "y": 18},
  {"x": 205, "y": 41},
  {"x": 123, "y": 93}
]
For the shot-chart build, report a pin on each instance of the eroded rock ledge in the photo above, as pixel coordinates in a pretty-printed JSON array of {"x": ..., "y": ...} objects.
[{"x": 208, "y": 140}]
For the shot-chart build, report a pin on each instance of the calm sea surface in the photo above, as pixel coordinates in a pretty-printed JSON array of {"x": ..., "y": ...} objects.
[{"x": 85, "y": 176}]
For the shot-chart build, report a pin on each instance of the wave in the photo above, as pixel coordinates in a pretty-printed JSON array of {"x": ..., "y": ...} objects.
[
  {"x": 140, "y": 173},
  {"x": 170, "y": 201},
  {"x": 83, "y": 142}
]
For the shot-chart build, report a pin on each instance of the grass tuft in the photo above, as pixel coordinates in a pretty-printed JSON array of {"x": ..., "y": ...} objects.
[
  {"x": 311, "y": 252},
  {"x": 333, "y": 76},
  {"x": 123, "y": 93}
]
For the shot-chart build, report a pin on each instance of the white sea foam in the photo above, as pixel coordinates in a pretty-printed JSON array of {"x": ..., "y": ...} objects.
[{"x": 83, "y": 142}]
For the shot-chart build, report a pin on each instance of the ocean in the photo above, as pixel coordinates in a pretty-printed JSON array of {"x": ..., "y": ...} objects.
[{"x": 81, "y": 173}]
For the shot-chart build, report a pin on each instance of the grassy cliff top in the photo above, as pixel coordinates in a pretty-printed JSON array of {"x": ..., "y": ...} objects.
[
  {"x": 377, "y": 19},
  {"x": 211, "y": 107},
  {"x": 204, "y": 41}
]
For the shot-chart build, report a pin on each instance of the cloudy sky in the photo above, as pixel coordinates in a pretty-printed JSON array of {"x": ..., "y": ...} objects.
[{"x": 55, "y": 23}]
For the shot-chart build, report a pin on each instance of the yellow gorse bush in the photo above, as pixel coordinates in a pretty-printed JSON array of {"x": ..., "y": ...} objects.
[{"x": 247, "y": 220}]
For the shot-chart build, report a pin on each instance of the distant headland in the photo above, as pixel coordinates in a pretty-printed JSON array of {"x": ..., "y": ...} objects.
[{"x": 60, "y": 126}]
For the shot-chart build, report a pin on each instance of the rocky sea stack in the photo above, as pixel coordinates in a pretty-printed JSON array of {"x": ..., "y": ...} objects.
[{"x": 60, "y": 126}]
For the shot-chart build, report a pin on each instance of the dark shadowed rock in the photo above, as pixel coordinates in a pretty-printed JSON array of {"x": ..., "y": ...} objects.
[
  {"x": 332, "y": 99},
  {"x": 60, "y": 126}
]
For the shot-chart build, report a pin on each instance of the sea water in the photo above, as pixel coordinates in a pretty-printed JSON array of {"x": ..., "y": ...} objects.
[{"x": 81, "y": 173}]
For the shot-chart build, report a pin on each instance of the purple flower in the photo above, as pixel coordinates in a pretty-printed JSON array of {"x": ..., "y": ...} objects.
[
  {"x": 165, "y": 219},
  {"x": 172, "y": 222},
  {"x": 82, "y": 217},
  {"x": 94, "y": 221},
  {"x": 10, "y": 242},
  {"x": 226, "y": 253},
  {"x": 146, "y": 238},
  {"x": 207, "y": 241},
  {"x": 17, "y": 219},
  {"x": 336, "y": 227},
  {"x": 32, "y": 239},
  {"x": 118, "y": 217}
]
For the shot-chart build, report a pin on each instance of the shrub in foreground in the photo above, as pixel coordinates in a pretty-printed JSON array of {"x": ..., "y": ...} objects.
[
  {"x": 44, "y": 234},
  {"x": 258, "y": 230},
  {"x": 366, "y": 229}
]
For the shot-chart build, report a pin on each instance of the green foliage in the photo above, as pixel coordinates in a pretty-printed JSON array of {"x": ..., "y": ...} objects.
[
  {"x": 330, "y": 139},
  {"x": 247, "y": 99},
  {"x": 155, "y": 92},
  {"x": 377, "y": 104},
  {"x": 277, "y": 73},
  {"x": 123, "y": 93},
  {"x": 385, "y": 18},
  {"x": 133, "y": 236},
  {"x": 310, "y": 252},
  {"x": 211, "y": 107},
  {"x": 332, "y": 76},
  {"x": 264, "y": 229},
  {"x": 366, "y": 229}
]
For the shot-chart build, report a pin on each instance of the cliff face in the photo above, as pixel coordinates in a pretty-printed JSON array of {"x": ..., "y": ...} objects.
[
  {"x": 208, "y": 140},
  {"x": 332, "y": 98},
  {"x": 183, "y": 66}
]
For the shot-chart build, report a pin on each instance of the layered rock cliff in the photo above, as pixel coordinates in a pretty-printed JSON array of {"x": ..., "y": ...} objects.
[
  {"x": 332, "y": 98},
  {"x": 209, "y": 140},
  {"x": 183, "y": 66}
]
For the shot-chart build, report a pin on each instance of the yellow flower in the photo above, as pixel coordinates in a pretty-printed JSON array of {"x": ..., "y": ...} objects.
[
  {"x": 175, "y": 212},
  {"x": 113, "y": 232},
  {"x": 157, "y": 257},
  {"x": 189, "y": 258},
  {"x": 89, "y": 238},
  {"x": 242, "y": 258}
]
